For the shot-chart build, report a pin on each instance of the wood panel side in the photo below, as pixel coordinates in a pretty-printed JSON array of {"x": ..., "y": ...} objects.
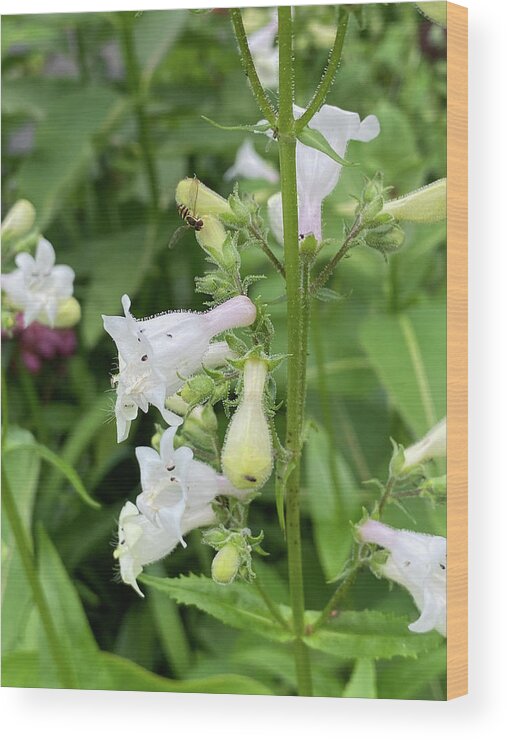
[{"x": 457, "y": 350}]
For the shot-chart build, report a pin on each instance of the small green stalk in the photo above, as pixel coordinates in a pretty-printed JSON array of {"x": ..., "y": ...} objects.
[
  {"x": 296, "y": 339},
  {"x": 134, "y": 88}
]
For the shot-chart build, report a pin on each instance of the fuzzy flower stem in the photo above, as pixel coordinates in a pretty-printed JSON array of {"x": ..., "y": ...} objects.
[
  {"x": 248, "y": 65},
  {"x": 319, "y": 97},
  {"x": 387, "y": 493},
  {"x": 296, "y": 336},
  {"x": 254, "y": 231},
  {"x": 328, "y": 270},
  {"x": 338, "y": 595},
  {"x": 273, "y": 608},
  {"x": 134, "y": 88}
]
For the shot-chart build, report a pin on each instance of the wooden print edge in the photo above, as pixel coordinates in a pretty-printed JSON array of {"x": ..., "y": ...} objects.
[{"x": 457, "y": 354}]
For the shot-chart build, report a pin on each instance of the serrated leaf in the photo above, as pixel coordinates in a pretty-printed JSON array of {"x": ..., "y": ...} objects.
[
  {"x": 237, "y": 604},
  {"x": 370, "y": 634},
  {"x": 255, "y": 128},
  {"x": 326, "y": 295},
  {"x": 315, "y": 140},
  {"x": 362, "y": 683}
]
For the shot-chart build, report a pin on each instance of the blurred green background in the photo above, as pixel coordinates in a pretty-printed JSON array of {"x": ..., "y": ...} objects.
[{"x": 72, "y": 143}]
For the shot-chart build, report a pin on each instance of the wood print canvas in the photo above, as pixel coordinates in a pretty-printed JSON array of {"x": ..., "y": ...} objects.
[{"x": 233, "y": 378}]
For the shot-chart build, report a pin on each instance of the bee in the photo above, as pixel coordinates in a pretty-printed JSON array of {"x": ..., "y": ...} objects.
[{"x": 189, "y": 216}]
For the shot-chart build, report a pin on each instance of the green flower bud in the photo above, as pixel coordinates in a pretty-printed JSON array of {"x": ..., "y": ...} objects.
[
  {"x": 211, "y": 236},
  {"x": 197, "y": 389},
  {"x": 426, "y": 205},
  {"x": 385, "y": 238},
  {"x": 19, "y": 220},
  {"x": 68, "y": 315},
  {"x": 201, "y": 200},
  {"x": 225, "y": 565},
  {"x": 247, "y": 455}
]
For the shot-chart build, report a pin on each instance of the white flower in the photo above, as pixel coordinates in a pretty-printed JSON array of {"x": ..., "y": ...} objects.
[
  {"x": 417, "y": 562},
  {"x": 265, "y": 53},
  {"x": 433, "y": 444},
  {"x": 250, "y": 165},
  {"x": 176, "y": 497},
  {"x": 157, "y": 354},
  {"x": 318, "y": 174},
  {"x": 38, "y": 286}
]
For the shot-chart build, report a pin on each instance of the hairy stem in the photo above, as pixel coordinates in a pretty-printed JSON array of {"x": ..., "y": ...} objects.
[
  {"x": 248, "y": 65},
  {"x": 134, "y": 87},
  {"x": 319, "y": 97},
  {"x": 336, "y": 598},
  {"x": 254, "y": 231},
  {"x": 273, "y": 608},
  {"x": 296, "y": 349},
  {"x": 327, "y": 271}
]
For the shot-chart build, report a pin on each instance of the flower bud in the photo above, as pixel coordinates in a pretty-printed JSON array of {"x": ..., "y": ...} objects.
[
  {"x": 225, "y": 565},
  {"x": 19, "y": 220},
  {"x": 201, "y": 200},
  {"x": 211, "y": 236},
  {"x": 68, "y": 314},
  {"x": 385, "y": 238},
  {"x": 433, "y": 444},
  {"x": 247, "y": 456},
  {"x": 425, "y": 205}
]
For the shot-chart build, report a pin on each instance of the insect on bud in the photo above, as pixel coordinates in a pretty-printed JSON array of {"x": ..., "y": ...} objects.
[
  {"x": 426, "y": 205},
  {"x": 247, "y": 455},
  {"x": 211, "y": 236},
  {"x": 201, "y": 200},
  {"x": 225, "y": 565}
]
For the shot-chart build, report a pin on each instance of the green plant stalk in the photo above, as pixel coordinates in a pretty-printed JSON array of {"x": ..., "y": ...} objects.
[
  {"x": 273, "y": 609},
  {"x": 248, "y": 65},
  {"x": 338, "y": 595},
  {"x": 296, "y": 350},
  {"x": 134, "y": 87},
  {"x": 65, "y": 673},
  {"x": 319, "y": 97},
  {"x": 328, "y": 269}
]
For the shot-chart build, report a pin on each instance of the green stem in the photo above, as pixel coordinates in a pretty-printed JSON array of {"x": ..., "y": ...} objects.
[
  {"x": 248, "y": 65},
  {"x": 327, "y": 271},
  {"x": 387, "y": 493},
  {"x": 296, "y": 350},
  {"x": 22, "y": 543},
  {"x": 319, "y": 97},
  {"x": 255, "y": 232},
  {"x": 273, "y": 609},
  {"x": 338, "y": 595},
  {"x": 134, "y": 87}
]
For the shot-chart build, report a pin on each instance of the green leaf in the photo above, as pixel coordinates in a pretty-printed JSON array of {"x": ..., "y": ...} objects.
[
  {"x": 315, "y": 140},
  {"x": 237, "y": 605},
  {"x": 370, "y": 634},
  {"x": 75, "y": 635},
  {"x": 402, "y": 679},
  {"x": 408, "y": 352},
  {"x": 333, "y": 501},
  {"x": 362, "y": 683},
  {"x": 256, "y": 128},
  {"x": 154, "y": 34},
  {"x": 21, "y": 669},
  {"x": 22, "y": 469},
  {"x": 64, "y": 468}
]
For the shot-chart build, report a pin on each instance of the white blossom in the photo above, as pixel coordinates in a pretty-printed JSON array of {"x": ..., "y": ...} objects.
[
  {"x": 176, "y": 497},
  {"x": 433, "y": 444},
  {"x": 249, "y": 165},
  {"x": 417, "y": 562},
  {"x": 38, "y": 287},
  {"x": 317, "y": 173},
  {"x": 264, "y": 53},
  {"x": 156, "y": 355}
]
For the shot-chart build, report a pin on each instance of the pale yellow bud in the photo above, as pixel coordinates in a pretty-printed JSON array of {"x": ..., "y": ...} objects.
[
  {"x": 225, "y": 565},
  {"x": 426, "y": 205},
  {"x": 247, "y": 455},
  {"x": 201, "y": 200},
  {"x": 212, "y": 235},
  {"x": 19, "y": 220},
  {"x": 68, "y": 315}
]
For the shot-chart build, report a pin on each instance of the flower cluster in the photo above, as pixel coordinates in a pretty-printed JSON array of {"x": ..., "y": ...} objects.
[{"x": 176, "y": 496}]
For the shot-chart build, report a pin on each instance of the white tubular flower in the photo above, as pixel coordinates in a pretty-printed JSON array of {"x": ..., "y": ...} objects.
[
  {"x": 433, "y": 444},
  {"x": 265, "y": 53},
  {"x": 141, "y": 542},
  {"x": 249, "y": 165},
  {"x": 176, "y": 497},
  {"x": 318, "y": 174},
  {"x": 417, "y": 562},
  {"x": 38, "y": 286},
  {"x": 156, "y": 355}
]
